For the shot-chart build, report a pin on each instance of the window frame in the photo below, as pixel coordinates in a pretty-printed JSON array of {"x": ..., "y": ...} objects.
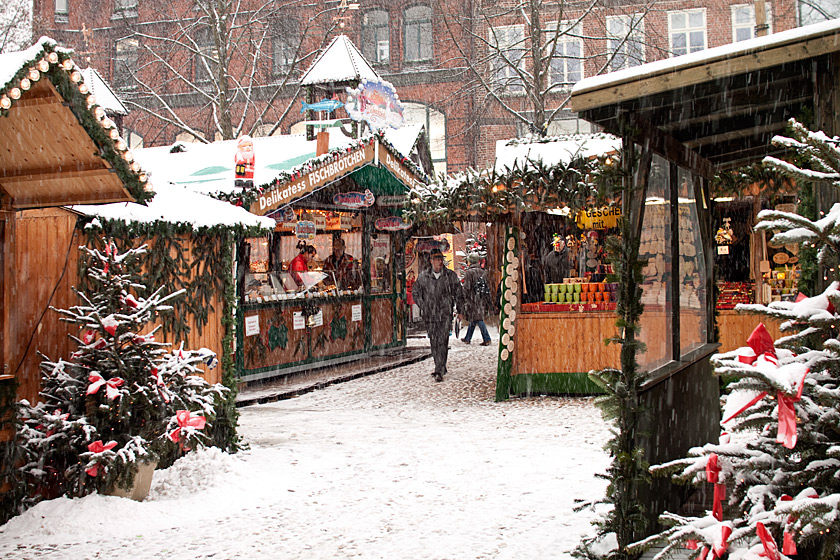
[
  {"x": 200, "y": 73},
  {"x": 687, "y": 31},
  {"x": 632, "y": 38},
  {"x": 374, "y": 56},
  {"x": 569, "y": 32},
  {"x": 125, "y": 9},
  {"x": 418, "y": 23},
  {"x": 751, "y": 7},
  {"x": 61, "y": 15},
  {"x": 132, "y": 58},
  {"x": 288, "y": 26},
  {"x": 511, "y": 83}
]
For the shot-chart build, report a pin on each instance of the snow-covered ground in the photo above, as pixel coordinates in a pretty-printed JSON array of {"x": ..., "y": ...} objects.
[{"x": 391, "y": 466}]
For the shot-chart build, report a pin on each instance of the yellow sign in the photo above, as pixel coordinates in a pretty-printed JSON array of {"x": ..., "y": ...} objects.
[{"x": 605, "y": 217}]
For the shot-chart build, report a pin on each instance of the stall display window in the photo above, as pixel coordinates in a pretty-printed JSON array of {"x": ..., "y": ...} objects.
[
  {"x": 381, "y": 265},
  {"x": 344, "y": 259},
  {"x": 656, "y": 323},
  {"x": 692, "y": 272}
]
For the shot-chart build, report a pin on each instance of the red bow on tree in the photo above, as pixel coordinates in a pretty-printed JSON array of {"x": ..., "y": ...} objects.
[
  {"x": 762, "y": 345},
  {"x": 97, "y": 447},
  {"x": 186, "y": 421},
  {"x": 111, "y": 390},
  {"x": 713, "y": 475},
  {"x": 771, "y": 551}
]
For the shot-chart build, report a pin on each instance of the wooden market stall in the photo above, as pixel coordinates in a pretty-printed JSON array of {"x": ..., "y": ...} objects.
[
  {"x": 682, "y": 120},
  {"x": 354, "y": 196},
  {"x": 59, "y": 148}
]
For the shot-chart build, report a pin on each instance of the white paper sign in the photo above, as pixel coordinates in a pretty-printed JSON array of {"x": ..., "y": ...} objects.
[
  {"x": 299, "y": 321},
  {"x": 252, "y": 325},
  {"x": 319, "y": 319},
  {"x": 723, "y": 249},
  {"x": 356, "y": 313}
]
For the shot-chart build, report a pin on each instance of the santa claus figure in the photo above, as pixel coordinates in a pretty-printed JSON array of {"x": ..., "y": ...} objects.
[{"x": 244, "y": 160}]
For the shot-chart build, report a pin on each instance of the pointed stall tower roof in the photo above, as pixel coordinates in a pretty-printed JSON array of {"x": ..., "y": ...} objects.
[{"x": 341, "y": 61}]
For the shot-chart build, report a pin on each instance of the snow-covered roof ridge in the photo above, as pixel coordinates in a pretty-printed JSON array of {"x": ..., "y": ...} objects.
[
  {"x": 13, "y": 62},
  {"x": 341, "y": 61},
  {"x": 552, "y": 151},
  {"x": 708, "y": 56},
  {"x": 105, "y": 96}
]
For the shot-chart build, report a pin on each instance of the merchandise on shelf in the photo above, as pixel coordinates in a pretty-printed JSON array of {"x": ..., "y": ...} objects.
[{"x": 731, "y": 294}]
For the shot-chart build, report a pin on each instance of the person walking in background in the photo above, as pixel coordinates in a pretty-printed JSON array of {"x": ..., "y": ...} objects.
[
  {"x": 476, "y": 299},
  {"x": 437, "y": 290}
]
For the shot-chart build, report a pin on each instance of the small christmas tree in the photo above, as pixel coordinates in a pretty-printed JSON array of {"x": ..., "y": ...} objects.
[
  {"x": 120, "y": 399},
  {"x": 774, "y": 474}
]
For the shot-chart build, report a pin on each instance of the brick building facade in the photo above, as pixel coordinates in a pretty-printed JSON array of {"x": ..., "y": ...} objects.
[{"x": 436, "y": 52}]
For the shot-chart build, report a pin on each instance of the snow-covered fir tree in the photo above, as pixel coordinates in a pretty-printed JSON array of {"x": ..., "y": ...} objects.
[
  {"x": 120, "y": 399},
  {"x": 773, "y": 475}
]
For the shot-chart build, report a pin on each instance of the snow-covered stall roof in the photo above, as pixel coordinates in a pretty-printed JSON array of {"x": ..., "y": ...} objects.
[
  {"x": 208, "y": 168},
  {"x": 719, "y": 108},
  {"x": 105, "y": 96},
  {"x": 553, "y": 150},
  {"x": 341, "y": 61},
  {"x": 707, "y": 56},
  {"x": 179, "y": 205},
  {"x": 59, "y": 145}
]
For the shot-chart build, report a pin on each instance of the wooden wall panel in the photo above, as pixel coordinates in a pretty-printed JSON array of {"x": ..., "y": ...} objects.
[
  {"x": 734, "y": 329},
  {"x": 38, "y": 250},
  {"x": 381, "y": 321},
  {"x": 347, "y": 336},
  {"x": 565, "y": 342}
]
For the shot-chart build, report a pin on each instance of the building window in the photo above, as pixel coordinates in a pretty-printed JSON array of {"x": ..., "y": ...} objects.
[
  {"x": 435, "y": 123},
  {"x": 418, "y": 33},
  {"x": 376, "y": 44},
  {"x": 125, "y": 62},
  {"x": 284, "y": 44},
  {"x": 743, "y": 21},
  {"x": 507, "y": 59},
  {"x": 61, "y": 12},
  {"x": 566, "y": 67},
  {"x": 125, "y": 8},
  {"x": 625, "y": 41},
  {"x": 687, "y": 31},
  {"x": 207, "y": 58}
]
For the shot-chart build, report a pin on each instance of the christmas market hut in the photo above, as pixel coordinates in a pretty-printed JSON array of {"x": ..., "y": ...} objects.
[
  {"x": 60, "y": 148},
  {"x": 682, "y": 121},
  {"x": 327, "y": 283},
  {"x": 540, "y": 189}
]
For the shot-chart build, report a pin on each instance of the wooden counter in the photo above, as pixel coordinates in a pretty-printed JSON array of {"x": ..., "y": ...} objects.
[
  {"x": 556, "y": 350},
  {"x": 734, "y": 328}
]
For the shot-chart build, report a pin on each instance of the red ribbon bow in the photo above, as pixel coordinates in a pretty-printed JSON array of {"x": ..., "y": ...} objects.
[
  {"x": 98, "y": 447},
  {"x": 770, "y": 549},
  {"x": 97, "y": 381},
  {"x": 186, "y": 421},
  {"x": 720, "y": 549},
  {"x": 762, "y": 345},
  {"x": 713, "y": 476},
  {"x": 110, "y": 324},
  {"x": 786, "y": 434}
]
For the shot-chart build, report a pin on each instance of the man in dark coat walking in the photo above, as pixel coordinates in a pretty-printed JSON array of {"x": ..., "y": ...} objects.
[
  {"x": 437, "y": 290},
  {"x": 476, "y": 304}
]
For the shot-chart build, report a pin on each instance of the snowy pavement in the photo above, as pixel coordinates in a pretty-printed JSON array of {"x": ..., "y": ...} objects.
[{"x": 391, "y": 466}]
